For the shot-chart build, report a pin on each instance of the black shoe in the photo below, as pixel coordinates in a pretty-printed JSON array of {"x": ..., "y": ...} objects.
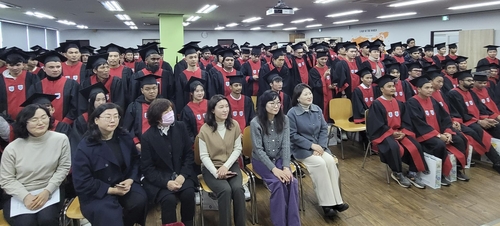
[
  {"x": 472, "y": 164},
  {"x": 444, "y": 181},
  {"x": 461, "y": 176},
  {"x": 342, "y": 207},
  {"x": 329, "y": 211}
]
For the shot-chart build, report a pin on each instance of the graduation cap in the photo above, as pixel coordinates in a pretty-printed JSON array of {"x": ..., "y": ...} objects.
[
  {"x": 193, "y": 83},
  {"x": 273, "y": 44},
  {"x": 447, "y": 63},
  {"x": 39, "y": 98},
  {"x": 389, "y": 60},
  {"x": 320, "y": 54},
  {"x": 267, "y": 48},
  {"x": 396, "y": 44},
  {"x": 412, "y": 65},
  {"x": 189, "y": 49},
  {"x": 238, "y": 78},
  {"x": 461, "y": 75},
  {"x": 87, "y": 50},
  {"x": 246, "y": 44},
  {"x": 192, "y": 43},
  {"x": 364, "y": 44},
  {"x": 389, "y": 51},
  {"x": 404, "y": 45},
  {"x": 129, "y": 50},
  {"x": 227, "y": 53},
  {"x": 350, "y": 45},
  {"x": 494, "y": 66},
  {"x": 433, "y": 74},
  {"x": 161, "y": 50},
  {"x": 332, "y": 41},
  {"x": 245, "y": 50},
  {"x": 256, "y": 50},
  {"x": 461, "y": 59},
  {"x": 374, "y": 46},
  {"x": 413, "y": 49},
  {"x": 420, "y": 81},
  {"x": 69, "y": 44},
  {"x": 322, "y": 46},
  {"x": 262, "y": 45},
  {"x": 452, "y": 46},
  {"x": 102, "y": 51},
  {"x": 97, "y": 60},
  {"x": 364, "y": 71},
  {"x": 491, "y": 47},
  {"x": 51, "y": 56},
  {"x": 440, "y": 45},
  {"x": 32, "y": 54},
  {"x": 297, "y": 46},
  {"x": 234, "y": 46},
  {"x": 148, "y": 80},
  {"x": 392, "y": 66},
  {"x": 272, "y": 76},
  {"x": 111, "y": 47},
  {"x": 148, "y": 50},
  {"x": 481, "y": 76},
  {"x": 98, "y": 87},
  {"x": 278, "y": 52},
  {"x": 205, "y": 49},
  {"x": 431, "y": 68},
  {"x": 384, "y": 80},
  {"x": 428, "y": 48},
  {"x": 13, "y": 53},
  {"x": 378, "y": 42},
  {"x": 36, "y": 48},
  {"x": 483, "y": 67}
]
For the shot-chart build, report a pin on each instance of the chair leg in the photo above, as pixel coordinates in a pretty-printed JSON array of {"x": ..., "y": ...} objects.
[
  {"x": 341, "y": 143},
  {"x": 387, "y": 169},
  {"x": 366, "y": 154},
  {"x": 202, "y": 218},
  {"x": 329, "y": 134},
  {"x": 253, "y": 197},
  {"x": 298, "y": 174}
]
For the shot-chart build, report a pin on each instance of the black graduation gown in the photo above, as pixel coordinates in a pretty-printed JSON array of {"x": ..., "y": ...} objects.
[
  {"x": 193, "y": 115},
  {"x": 83, "y": 72},
  {"x": 294, "y": 70},
  {"x": 438, "y": 60},
  {"x": 182, "y": 95},
  {"x": 252, "y": 85},
  {"x": 360, "y": 102},
  {"x": 166, "y": 66},
  {"x": 134, "y": 65},
  {"x": 166, "y": 86},
  {"x": 403, "y": 70},
  {"x": 320, "y": 98},
  {"x": 218, "y": 83},
  {"x": 380, "y": 131},
  {"x": 114, "y": 86},
  {"x": 125, "y": 74},
  {"x": 237, "y": 64},
  {"x": 242, "y": 110},
  {"x": 67, "y": 90},
  {"x": 78, "y": 130},
  {"x": 182, "y": 65},
  {"x": 283, "y": 73},
  {"x": 135, "y": 119},
  {"x": 29, "y": 81},
  {"x": 342, "y": 76}
]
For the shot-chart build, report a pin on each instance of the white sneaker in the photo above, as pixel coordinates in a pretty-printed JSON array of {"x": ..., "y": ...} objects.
[
  {"x": 197, "y": 198},
  {"x": 247, "y": 192}
]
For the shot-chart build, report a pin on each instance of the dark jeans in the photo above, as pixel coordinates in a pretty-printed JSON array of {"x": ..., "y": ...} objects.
[{"x": 168, "y": 201}]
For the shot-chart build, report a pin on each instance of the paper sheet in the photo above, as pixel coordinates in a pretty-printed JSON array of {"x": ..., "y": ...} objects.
[{"x": 17, "y": 207}]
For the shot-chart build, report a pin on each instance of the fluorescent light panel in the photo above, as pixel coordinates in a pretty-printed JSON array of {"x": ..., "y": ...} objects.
[
  {"x": 129, "y": 23},
  {"x": 133, "y": 27},
  {"x": 185, "y": 24},
  {"x": 407, "y": 3},
  {"x": 475, "y": 5},
  {"x": 193, "y": 18},
  {"x": 112, "y": 5},
  {"x": 323, "y": 1},
  {"x": 289, "y": 28},
  {"x": 396, "y": 15},
  {"x": 39, "y": 15},
  {"x": 295, "y": 9},
  {"x": 219, "y": 28},
  {"x": 346, "y": 21},
  {"x": 255, "y": 28},
  {"x": 82, "y": 26},
  {"x": 122, "y": 16},
  {"x": 4, "y": 6},
  {"x": 66, "y": 22},
  {"x": 232, "y": 25},
  {"x": 345, "y": 13},
  {"x": 251, "y": 19},
  {"x": 207, "y": 8},
  {"x": 314, "y": 25},
  {"x": 275, "y": 25},
  {"x": 302, "y": 20}
]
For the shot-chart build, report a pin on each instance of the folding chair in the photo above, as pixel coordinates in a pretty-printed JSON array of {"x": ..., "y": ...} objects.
[
  {"x": 3, "y": 222},
  {"x": 72, "y": 212}
]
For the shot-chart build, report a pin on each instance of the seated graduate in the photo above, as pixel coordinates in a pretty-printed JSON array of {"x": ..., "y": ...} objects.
[
  {"x": 321, "y": 83},
  {"x": 434, "y": 129},
  {"x": 241, "y": 106},
  {"x": 403, "y": 90},
  {"x": 271, "y": 159},
  {"x": 106, "y": 172},
  {"x": 449, "y": 69},
  {"x": 33, "y": 167},
  {"x": 472, "y": 113},
  {"x": 389, "y": 129},
  {"x": 193, "y": 114},
  {"x": 363, "y": 95},
  {"x": 275, "y": 82},
  {"x": 167, "y": 163},
  {"x": 484, "y": 94}
]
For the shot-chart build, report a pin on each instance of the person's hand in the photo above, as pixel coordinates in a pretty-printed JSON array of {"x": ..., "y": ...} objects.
[
  {"x": 40, "y": 200},
  {"x": 448, "y": 137},
  {"x": 28, "y": 201},
  {"x": 138, "y": 146},
  {"x": 493, "y": 122},
  {"x": 317, "y": 150},
  {"x": 255, "y": 77},
  {"x": 221, "y": 172},
  {"x": 327, "y": 73},
  {"x": 306, "y": 48},
  {"x": 396, "y": 135},
  {"x": 280, "y": 174},
  {"x": 173, "y": 185},
  {"x": 126, "y": 184},
  {"x": 180, "y": 180},
  {"x": 443, "y": 137},
  {"x": 289, "y": 49},
  {"x": 484, "y": 124},
  {"x": 457, "y": 126},
  {"x": 288, "y": 173},
  {"x": 117, "y": 191}
]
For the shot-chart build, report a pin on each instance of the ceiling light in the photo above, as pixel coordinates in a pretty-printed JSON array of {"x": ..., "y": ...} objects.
[
  {"x": 129, "y": 23},
  {"x": 133, "y": 27},
  {"x": 255, "y": 28},
  {"x": 251, "y": 19},
  {"x": 66, "y": 22},
  {"x": 323, "y": 1},
  {"x": 122, "y": 16},
  {"x": 207, "y": 9},
  {"x": 232, "y": 25},
  {"x": 346, "y": 21},
  {"x": 4, "y": 6},
  {"x": 275, "y": 25},
  {"x": 40, "y": 15},
  {"x": 302, "y": 21},
  {"x": 474, "y": 5},
  {"x": 295, "y": 9},
  {"x": 345, "y": 13},
  {"x": 185, "y": 24},
  {"x": 289, "y": 28},
  {"x": 82, "y": 26},
  {"x": 193, "y": 18},
  {"x": 396, "y": 15},
  {"x": 407, "y": 3},
  {"x": 219, "y": 28},
  {"x": 314, "y": 25},
  {"x": 112, "y": 5}
]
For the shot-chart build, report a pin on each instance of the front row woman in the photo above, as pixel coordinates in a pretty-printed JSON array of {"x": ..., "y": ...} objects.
[
  {"x": 308, "y": 135},
  {"x": 106, "y": 172}
]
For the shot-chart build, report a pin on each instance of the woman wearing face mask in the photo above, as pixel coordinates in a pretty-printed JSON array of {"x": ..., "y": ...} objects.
[
  {"x": 106, "y": 172},
  {"x": 167, "y": 163}
]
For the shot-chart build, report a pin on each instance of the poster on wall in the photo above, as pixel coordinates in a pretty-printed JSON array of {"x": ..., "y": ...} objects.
[{"x": 371, "y": 35}]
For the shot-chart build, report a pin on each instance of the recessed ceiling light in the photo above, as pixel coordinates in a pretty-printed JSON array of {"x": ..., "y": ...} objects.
[
  {"x": 133, "y": 27},
  {"x": 314, "y": 25},
  {"x": 251, "y": 19},
  {"x": 129, "y": 23},
  {"x": 112, "y": 5},
  {"x": 346, "y": 21},
  {"x": 289, "y": 28},
  {"x": 193, "y": 18},
  {"x": 66, "y": 22},
  {"x": 475, "y": 5},
  {"x": 207, "y": 8},
  {"x": 255, "y": 28},
  {"x": 323, "y": 1},
  {"x": 219, "y": 28},
  {"x": 122, "y": 16},
  {"x": 302, "y": 20},
  {"x": 4, "y": 6},
  {"x": 185, "y": 24},
  {"x": 39, "y": 15},
  {"x": 82, "y": 26},
  {"x": 407, "y": 3},
  {"x": 275, "y": 25},
  {"x": 396, "y": 15},
  {"x": 232, "y": 25},
  {"x": 295, "y": 9},
  {"x": 345, "y": 13}
]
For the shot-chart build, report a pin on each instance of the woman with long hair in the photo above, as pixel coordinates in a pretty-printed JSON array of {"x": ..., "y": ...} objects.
[{"x": 193, "y": 114}]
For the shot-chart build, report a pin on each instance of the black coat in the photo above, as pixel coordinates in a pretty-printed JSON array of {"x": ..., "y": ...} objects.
[{"x": 160, "y": 160}]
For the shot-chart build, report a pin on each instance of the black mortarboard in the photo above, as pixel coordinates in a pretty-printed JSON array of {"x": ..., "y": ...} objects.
[
  {"x": 148, "y": 50},
  {"x": 262, "y": 45},
  {"x": 273, "y": 44},
  {"x": 389, "y": 51},
  {"x": 461, "y": 75},
  {"x": 32, "y": 54},
  {"x": 246, "y": 44},
  {"x": 483, "y": 67},
  {"x": 420, "y": 81},
  {"x": 227, "y": 53},
  {"x": 428, "y": 48},
  {"x": 297, "y": 46},
  {"x": 322, "y": 53},
  {"x": 36, "y": 48},
  {"x": 332, "y": 41},
  {"x": 404, "y": 45},
  {"x": 39, "y": 98},
  {"x": 389, "y": 60},
  {"x": 374, "y": 47},
  {"x": 461, "y": 59},
  {"x": 273, "y": 75},
  {"x": 160, "y": 50},
  {"x": 447, "y": 62},
  {"x": 494, "y": 65},
  {"x": 350, "y": 45},
  {"x": 278, "y": 52},
  {"x": 238, "y": 78},
  {"x": 70, "y": 44},
  {"x": 364, "y": 43},
  {"x": 51, "y": 56},
  {"x": 338, "y": 46},
  {"x": 481, "y": 76},
  {"x": 491, "y": 47},
  {"x": 192, "y": 43},
  {"x": 98, "y": 87},
  {"x": 111, "y": 47},
  {"x": 384, "y": 80},
  {"x": 433, "y": 74},
  {"x": 392, "y": 66},
  {"x": 102, "y": 51},
  {"x": 14, "y": 52},
  {"x": 440, "y": 45},
  {"x": 395, "y": 45},
  {"x": 95, "y": 61},
  {"x": 412, "y": 65},
  {"x": 256, "y": 50},
  {"x": 130, "y": 50},
  {"x": 193, "y": 83},
  {"x": 267, "y": 48},
  {"x": 378, "y": 42},
  {"x": 234, "y": 47},
  {"x": 147, "y": 80},
  {"x": 364, "y": 71},
  {"x": 205, "y": 49},
  {"x": 87, "y": 50},
  {"x": 452, "y": 46},
  {"x": 431, "y": 68},
  {"x": 189, "y": 49},
  {"x": 245, "y": 50},
  {"x": 413, "y": 49}
]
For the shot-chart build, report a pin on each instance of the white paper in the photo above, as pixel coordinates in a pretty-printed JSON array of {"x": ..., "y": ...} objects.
[{"x": 17, "y": 207}]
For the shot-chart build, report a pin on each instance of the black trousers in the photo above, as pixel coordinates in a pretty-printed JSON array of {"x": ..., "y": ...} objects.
[
  {"x": 46, "y": 217},
  {"x": 168, "y": 202}
]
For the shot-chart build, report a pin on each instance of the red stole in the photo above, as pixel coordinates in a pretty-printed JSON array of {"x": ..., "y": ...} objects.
[
  {"x": 238, "y": 110},
  {"x": 3, "y": 68},
  {"x": 327, "y": 92},
  {"x": 85, "y": 116},
  {"x": 217, "y": 67},
  {"x": 440, "y": 57},
  {"x": 282, "y": 97},
  {"x": 225, "y": 73},
  {"x": 144, "y": 121},
  {"x": 107, "y": 84},
  {"x": 492, "y": 60},
  {"x": 189, "y": 74},
  {"x": 363, "y": 58},
  {"x": 438, "y": 96},
  {"x": 367, "y": 94},
  {"x": 415, "y": 91},
  {"x": 399, "y": 59},
  {"x": 268, "y": 59},
  {"x": 453, "y": 57},
  {"x": 56, "y": 88},
  {"x": 116, "y": 72},
  {"x": 204, "y": 62},
  {"x": 37, "y": 69},
  {"x": 485, "y": 98},
  {"x": 304, "y": 74},
  {"x": 399, "y": 94},
  {"x": 355, "y": 80},
  {"x": 429, "y": 60},
  {"x": 454, "y": 81},
  {"x": 130, "y": 65},
  {"x": 158, "y": 80},
  {"x": 333, "y": 54},
  {"x": 199, "y": 112},
  {"x": 255, "y": 67},
  {"x": 373, "y": 65},
  {"x": 242, "y": 61},
  {"x": 16, "y": 93},
  {"x": 73, "y": 71},
  {"x": 471, "y": 106}
]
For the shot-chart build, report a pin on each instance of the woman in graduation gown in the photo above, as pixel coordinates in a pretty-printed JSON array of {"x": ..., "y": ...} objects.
[
  {"x": 363, "y": 95},
  {"x": 54, "y": 83},
  {"x": 389, "y": 129},
  {"x": 193, "y": 114},
  {"x": 321, "y": 83}
]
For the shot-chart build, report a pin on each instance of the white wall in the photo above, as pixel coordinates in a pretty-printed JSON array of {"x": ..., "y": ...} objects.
[
  {"x": 420, "y": 29},
  {"x": 131, "y": 38}
]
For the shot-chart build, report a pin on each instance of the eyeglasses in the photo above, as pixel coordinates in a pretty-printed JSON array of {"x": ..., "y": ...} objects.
[
  {"x": 108, "y": 118},
  {"x": 36, "y": 120},
  {"x": 274, "y": 104}
]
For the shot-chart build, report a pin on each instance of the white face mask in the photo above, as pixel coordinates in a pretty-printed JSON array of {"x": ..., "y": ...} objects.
[{"x": 168, "y": 119}]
